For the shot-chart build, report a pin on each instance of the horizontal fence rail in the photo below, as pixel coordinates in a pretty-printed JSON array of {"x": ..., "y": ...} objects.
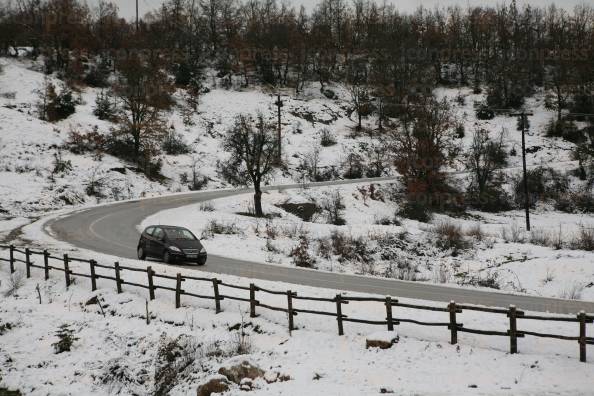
[{"x": 393, "y": 318}]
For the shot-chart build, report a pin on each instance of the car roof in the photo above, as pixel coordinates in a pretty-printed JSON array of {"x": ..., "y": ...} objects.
[{"x": 168, "y": 227}]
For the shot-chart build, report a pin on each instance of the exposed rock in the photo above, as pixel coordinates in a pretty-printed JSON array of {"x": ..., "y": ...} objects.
[
  {"x": 246, "y": 384},
  {"x": 238, "y": 371},
  {"x": 215, "y": 385},
  {"x": 382, "y": 340},
  {"x": 271, "y": 376},
  {"x": 92, "y": 301}
]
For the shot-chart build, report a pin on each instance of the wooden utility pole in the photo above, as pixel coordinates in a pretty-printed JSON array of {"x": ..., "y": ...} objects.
[
  {"x": 279, "y": 104},
  {"x": 137, "y": 16},
  {"x": 524, "y": 126}
]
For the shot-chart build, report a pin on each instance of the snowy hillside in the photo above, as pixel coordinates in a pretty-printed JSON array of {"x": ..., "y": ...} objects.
[
  {"x": 31, "y": 148},
  {"x": 29, "y": 145}
]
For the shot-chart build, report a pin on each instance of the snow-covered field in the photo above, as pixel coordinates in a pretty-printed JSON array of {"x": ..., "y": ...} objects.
[
  {"x": 409, "y": 250},
  {"x": 116, "y": 352}
]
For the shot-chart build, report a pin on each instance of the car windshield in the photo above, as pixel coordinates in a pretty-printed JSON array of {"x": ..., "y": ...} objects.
[{"x": 180, "y": 233}]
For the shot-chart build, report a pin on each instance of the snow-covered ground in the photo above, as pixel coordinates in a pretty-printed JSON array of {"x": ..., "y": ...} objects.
[
  {"x": 116, "y": 352},
  {"x": 409, "y": 250},
  {"x": 29, "y": 145},
  {"x": 28, "y": 190},
  {"x": 119, "y": 352}
]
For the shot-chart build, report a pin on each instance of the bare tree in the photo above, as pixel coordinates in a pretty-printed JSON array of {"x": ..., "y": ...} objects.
[
  {"x": 360, "y": 100},
  {"x": 423, "y": 146},
  {"x": 485, "y": 158},
  {"x": 252, "y": 145},
  {"x": 143, "y": 92}
]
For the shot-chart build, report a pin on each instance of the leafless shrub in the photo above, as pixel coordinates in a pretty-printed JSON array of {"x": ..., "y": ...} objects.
[
  {"x": 272, "y": 231},
  {"x": 402, "y": 269},
  {"x": 488, "y": 279},
  {"x": 327, "y": 139},
  {"x": 584, "y": 240},
  {"x": 310, "y": 164},
  {"x": 450, "y": 237},
  {"x": 476, "y": 232},
  {"x": 407, "y": 273},
  {"x": 573, "y": 291},
  {"x": 206, "y": 206},
  {"x": 271, "y": 247},
  {"x": 540, "y": 237},
  {"x": 557, "y": 241},
  {"x": 324, "y": 248},
  {"x": 215, "y": 227},
  {"x": 513, "y": 233},
  {"x": 172, "y": 359},
  {"x": 549, "y": 277},
  {"x": 293, "y": 230},
  {"x": 441, "y": 274},
  {"x": 15, "y": 281},
  {"x": 242, "y": 343},
  {"x": 333, "y": 207}
]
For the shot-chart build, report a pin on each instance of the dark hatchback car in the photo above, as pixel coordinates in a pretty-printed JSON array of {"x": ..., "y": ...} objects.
[{"x": 171, "y": 244}]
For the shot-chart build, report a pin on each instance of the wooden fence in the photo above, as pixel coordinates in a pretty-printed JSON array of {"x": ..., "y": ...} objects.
[{"x": 451, "y": 311}]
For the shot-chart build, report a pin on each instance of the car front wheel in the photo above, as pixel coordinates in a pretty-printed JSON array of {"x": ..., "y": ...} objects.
[
  {"x": 141, "y": 253},
  {"x": 167, "y": 258}
]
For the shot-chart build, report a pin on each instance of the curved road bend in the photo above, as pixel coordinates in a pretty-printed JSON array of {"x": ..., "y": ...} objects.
[{"x": 111, "y": 229}]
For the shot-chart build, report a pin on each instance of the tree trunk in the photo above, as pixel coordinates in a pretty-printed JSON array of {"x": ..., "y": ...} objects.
[
  {"x": 136, "y": 144},
  {"x": 258, "y": 200}
]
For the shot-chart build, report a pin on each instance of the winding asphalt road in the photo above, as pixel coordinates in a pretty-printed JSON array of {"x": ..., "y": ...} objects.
[{"x": 111, "y": 229}]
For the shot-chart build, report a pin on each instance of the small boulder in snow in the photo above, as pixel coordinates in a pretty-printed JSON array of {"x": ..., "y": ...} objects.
[
  {"x": 247, "y": 384},
  {"x": 382, "y": 340},
  {"x": 271, "y": 376},
  {"x": 217, "y": 384},
  {"x": 235, "y": 372},
  {"x": 274, "y": 376}
]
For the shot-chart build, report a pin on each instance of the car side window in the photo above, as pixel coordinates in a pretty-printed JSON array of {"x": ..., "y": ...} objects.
[
  {"x": 150, "y": 230},
  {"x": 158, "y": 233}
]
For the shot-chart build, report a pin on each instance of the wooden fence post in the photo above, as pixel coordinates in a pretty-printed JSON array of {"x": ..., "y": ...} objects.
[
  {"x": 93, "y": 276},
  {"x": 215, "y": 286},
  {"x": 28, "y": 262},
  {"x": 46, "y": 268},
  {"x": 582, "y": 340},
  {"x": 11, "y": 259},
  {"x": 290, "y": 310},
  {"x": 389, "y": 313},
  {"x": 252, "y": 300},
  {"x": 178, "y": 291},
  {"x": 66, "y": 270},
  {"x": 151, "y": 285},
  {"x": 453, "y": 323},
  {"x": 339, "y": 314},
  {"x": 513, "y": 329},
  {"x": 118, "y": 278}
]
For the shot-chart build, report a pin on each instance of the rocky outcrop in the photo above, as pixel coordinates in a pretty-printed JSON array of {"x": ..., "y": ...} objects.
[
  {"x": 235, "y": 372},
  {"x": 214, "y": 385}
]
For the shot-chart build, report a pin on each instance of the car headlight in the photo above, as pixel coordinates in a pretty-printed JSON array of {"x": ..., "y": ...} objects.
[
  {"x": 175, "y": 249},
  {"x": 202, "y": 250}
]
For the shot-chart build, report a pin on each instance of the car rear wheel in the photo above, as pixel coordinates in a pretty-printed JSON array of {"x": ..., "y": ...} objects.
[
  {"x": 166, "y": 258},
  {"x": 141, "y": 253}
]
